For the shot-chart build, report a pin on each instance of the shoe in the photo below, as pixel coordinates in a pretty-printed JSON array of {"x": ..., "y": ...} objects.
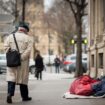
[
  {"x": 27, "y": 99},
  {"x": 9, "y": 99}
]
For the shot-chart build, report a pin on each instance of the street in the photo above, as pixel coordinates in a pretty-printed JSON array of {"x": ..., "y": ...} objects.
[{"x": 48, "y": 91}]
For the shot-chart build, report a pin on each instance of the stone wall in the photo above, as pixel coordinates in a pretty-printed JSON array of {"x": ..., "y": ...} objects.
[{"x": 96, "y": 39}]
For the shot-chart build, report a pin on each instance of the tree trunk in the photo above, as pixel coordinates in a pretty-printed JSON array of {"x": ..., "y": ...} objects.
[
  {"x": 16, "y": 12},
  {"x": 23, "y": 10},
  {"x": 79, "y": 70}
]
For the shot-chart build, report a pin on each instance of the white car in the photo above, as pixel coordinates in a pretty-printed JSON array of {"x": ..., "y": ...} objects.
[
  {"x": 69, "y": 64},
  {"x": 32, "y": 66},
  {"x": 3, "y": 63}
]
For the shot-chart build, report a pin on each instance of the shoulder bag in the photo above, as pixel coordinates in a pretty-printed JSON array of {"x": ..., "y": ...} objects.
[{"x": 13, "y": 56}]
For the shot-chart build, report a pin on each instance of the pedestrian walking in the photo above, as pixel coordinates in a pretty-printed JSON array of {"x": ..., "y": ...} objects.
[
  {"x": 39, "y": 66},
  {"x": 19, "y": 75},
  {"x": 57, "y": 64}
]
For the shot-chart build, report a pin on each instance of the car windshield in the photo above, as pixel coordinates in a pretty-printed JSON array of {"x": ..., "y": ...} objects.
[
  {"x": 2, "y": 57},
  {"x": 84, "y": 59},
  {"x": 73, "y": 57}
]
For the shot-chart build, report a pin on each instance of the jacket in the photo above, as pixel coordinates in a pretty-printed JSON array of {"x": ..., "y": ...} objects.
[
  {"x": 19, "y": 74},
  {"x": 39, "y": 63}
]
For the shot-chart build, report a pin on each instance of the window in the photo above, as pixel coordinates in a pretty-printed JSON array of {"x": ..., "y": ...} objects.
[
  {"x": 85, "y": 59},
  {"x": 73, "y": 58},
  {"x": 92, "y": 60},
  {"x": 100, "y": 60}
]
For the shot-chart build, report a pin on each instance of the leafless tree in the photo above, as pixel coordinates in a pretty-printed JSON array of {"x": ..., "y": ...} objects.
[
  {"x": 58, "y": 17},
  {"x": 8, "y": 6},
  {"x": 78, "y": 8}
]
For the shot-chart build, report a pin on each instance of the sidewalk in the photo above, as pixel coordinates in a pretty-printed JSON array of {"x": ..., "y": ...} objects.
[
  {"x": 52, "y": 76},
  {"x": 50, "y": 84}
]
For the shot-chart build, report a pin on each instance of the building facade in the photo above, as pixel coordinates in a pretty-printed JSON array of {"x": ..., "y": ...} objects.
[
  {"x": 45, "y": 39},
  {"x": 96, "y": 39}
]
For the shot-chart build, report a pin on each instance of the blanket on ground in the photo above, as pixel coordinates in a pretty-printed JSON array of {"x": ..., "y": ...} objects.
[
  {"x": 82, "y": 85},
  {"x": 67, "y": 95}
]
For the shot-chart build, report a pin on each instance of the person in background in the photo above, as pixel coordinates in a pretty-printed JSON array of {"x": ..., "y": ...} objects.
[
  {"x": 57, "y": 64},
  {"x": 39, "y": 66},
  {"x": 19, "y": 75}
]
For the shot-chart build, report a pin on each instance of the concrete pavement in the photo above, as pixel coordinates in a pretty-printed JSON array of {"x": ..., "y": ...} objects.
[
  {"x": 48, "y": 78},
  {"x": 49, "y": 91}
]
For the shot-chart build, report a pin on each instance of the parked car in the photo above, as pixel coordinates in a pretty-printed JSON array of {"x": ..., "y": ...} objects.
[
  {"x": 3, "y": 63},
  {"x": 32, "y": 66},
  {"x": 69, "y": 65}
]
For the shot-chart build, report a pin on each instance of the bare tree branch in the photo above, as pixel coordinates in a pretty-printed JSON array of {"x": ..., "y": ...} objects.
[
  {"x": 79, "y": 12},
  {"x": 61, "y": 20},
  {"x": 71, "y": 5}
]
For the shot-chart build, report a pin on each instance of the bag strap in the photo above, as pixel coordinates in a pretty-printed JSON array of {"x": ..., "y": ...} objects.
[{"x": 16, "y": 42}]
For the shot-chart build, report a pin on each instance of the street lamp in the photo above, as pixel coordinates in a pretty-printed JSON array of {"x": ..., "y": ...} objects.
[
  {"x": 49, "y": 40},
  {"x": 23, "y": 10},
  {"x": 34, "y": 31},
  {"x": 49, "y": 46}
]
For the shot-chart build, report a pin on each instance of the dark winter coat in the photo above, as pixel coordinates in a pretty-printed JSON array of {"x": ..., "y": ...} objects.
[
  {"x": 57, "y": 61},
  {"x": 99, "y": 88},
  {"x": 39, "y": 63}
]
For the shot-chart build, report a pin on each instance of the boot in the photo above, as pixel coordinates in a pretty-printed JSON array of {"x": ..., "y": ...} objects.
[
  {"x": 9, "y": 99},
  {"x": 27, "y": 99}
]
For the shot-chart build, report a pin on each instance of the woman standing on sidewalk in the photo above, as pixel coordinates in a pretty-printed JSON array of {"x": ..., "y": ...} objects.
[
  {"x": 39, "y": 66},
  {"x": 57, "y": 64}
]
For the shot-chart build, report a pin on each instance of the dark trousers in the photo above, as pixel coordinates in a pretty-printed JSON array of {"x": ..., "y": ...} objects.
[
  {"x": 23, "y": 89},
  {"x": 38, "y": 75},
  {"x": 57, "y": 69}
]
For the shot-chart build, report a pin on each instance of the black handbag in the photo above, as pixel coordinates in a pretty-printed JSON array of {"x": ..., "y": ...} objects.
[{"x": 13, "y": 56}]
